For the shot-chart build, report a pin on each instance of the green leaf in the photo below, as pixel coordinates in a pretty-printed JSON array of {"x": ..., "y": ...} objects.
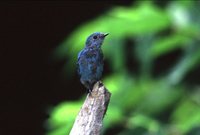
[
  {"x": 190, "y": 60},
  {"x": 140, "y": 120},
  {"x": 158, "y": 97},
  {"x": 186, "y": 116},
  {"x": 167, "y": 44},
  {"x": 114, "y": 115},
  {"x": 62, "y": 118}
]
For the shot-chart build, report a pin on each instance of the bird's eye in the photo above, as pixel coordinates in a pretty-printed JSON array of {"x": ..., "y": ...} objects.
[{"x": 95, "y": 37}]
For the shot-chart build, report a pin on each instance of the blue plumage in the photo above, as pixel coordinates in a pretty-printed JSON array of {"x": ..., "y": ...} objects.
[{"x": 90, "y": 60}]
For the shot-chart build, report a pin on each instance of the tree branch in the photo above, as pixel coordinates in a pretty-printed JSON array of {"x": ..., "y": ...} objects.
[{"x": 90, "y": 118}]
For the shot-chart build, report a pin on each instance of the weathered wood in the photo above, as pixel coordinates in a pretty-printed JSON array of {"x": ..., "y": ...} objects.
[{"x": 90, "y": 118}]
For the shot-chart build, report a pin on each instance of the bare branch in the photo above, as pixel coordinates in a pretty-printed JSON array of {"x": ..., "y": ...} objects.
[{"x": 90, "y": 118}]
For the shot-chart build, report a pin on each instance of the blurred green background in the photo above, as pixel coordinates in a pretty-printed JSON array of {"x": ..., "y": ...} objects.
[{"x": 151, "y": 56}]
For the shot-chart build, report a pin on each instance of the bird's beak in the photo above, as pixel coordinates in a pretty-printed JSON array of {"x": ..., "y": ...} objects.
[{"x": 105, "y": 34}]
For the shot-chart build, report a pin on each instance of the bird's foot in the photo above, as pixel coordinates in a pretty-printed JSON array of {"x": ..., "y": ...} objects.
[{"x": 89, "y": 91}]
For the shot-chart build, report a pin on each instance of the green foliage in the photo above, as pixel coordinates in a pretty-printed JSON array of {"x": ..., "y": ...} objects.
[
  {"x": 180, "y": 116},
  {"x": 139, "y": 120},
  {"x": 167, "y": 44},
  {"x": 62, "y": 118},
  {"x": 140, "y": 100}
]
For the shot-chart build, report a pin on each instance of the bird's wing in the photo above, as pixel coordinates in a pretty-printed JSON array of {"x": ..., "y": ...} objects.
[
  {"x": 77, "y": 64},
  {"x": 101, "y": 56},
  {"x": 79, "y": 54},
  {"x": 96, "y": 63},
  {"x": 99, "y": 69}
]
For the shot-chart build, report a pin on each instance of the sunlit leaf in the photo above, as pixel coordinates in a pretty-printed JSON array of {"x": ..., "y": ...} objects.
[
  {"x": 186, "y": 116},
  {"x": 190, "y": 60},
  {"x": 62, "y": 118},
  {"x": 159, "y": 96},
  {"x": 144, "y": 121},
  {"x": 113, "y": 116},
  {"x": 167, "y": 44}
]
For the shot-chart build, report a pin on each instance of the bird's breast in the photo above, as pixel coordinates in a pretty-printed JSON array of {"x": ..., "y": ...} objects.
[{"x": 92, "y": 53}]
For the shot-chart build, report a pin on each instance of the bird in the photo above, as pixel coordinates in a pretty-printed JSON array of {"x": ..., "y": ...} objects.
[{"x": 90, "y": 60}]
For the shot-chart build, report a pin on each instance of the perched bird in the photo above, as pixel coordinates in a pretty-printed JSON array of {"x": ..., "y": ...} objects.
[{"x": 90, "y": 60}]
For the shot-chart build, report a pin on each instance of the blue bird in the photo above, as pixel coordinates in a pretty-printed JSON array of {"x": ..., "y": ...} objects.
[{"x": 90, "y": 60}]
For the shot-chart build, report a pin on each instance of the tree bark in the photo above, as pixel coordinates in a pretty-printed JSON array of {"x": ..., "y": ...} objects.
[{"x": 90, "y": 118}]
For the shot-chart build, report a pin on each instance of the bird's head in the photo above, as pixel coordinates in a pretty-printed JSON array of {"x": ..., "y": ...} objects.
[{"x": 96, "y": 39}]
